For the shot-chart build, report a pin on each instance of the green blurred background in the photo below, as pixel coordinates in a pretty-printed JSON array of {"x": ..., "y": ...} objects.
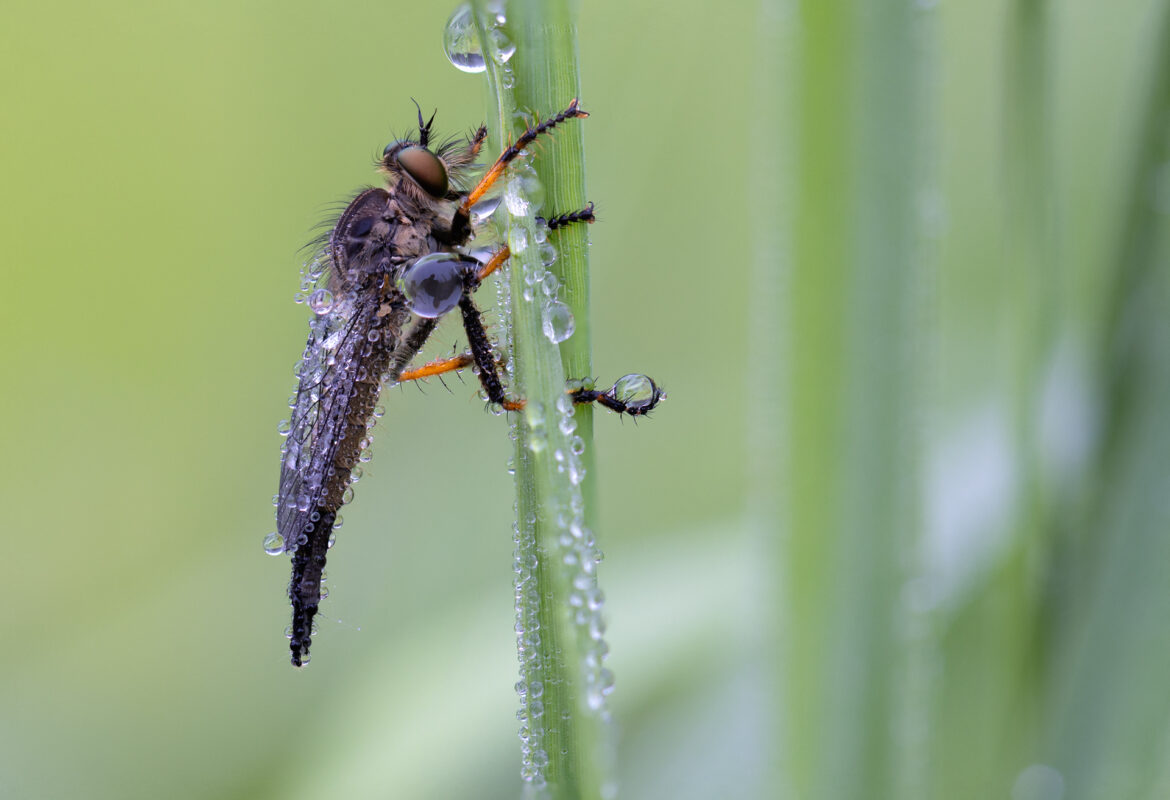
[{"x": 162, "y": 165}]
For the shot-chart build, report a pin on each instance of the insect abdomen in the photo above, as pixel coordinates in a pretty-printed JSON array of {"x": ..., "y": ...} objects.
[{"x": 342, "y": 434}]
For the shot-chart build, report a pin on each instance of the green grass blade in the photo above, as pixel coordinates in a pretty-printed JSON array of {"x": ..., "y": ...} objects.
[
  {"x": 849, "y": 441},
  {"x": 566, "y": 751}
]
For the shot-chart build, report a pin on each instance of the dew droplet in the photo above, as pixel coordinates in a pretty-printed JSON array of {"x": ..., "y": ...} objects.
[
  {"x": 505, "y": 48},
  {"x": 433, "y": 284},
  {"x": 460, "y": 42},
  {"x": 284, "y": 427},
  {"x": 548, "y": 254},
  {"x": 633, "y": 390},
  {"x": 321, "y": 301},
  {"x": 274, "y": 544},
  {"x": 517, "y": 240},
  {"x": 523, "y": 194},
  {"x": 549, "y": 285},
  {"x": 483, "y": 210},
  {"x": 557, "y": 320}
]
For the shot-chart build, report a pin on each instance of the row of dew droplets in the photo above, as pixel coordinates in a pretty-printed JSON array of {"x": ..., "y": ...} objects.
[
  {"x": 579, "y": 557},
  {"x": 557, "y": 319},
  {"x": 530, "y": 687},
  {"x": 320, "y": 300},
  {"x": 326, "y": 329},
  {"x": 523, "y": 197},
  {"x": 462, "y": 45}
]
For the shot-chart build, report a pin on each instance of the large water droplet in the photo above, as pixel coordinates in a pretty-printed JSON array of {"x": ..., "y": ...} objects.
[
  {"x": 633, "y": 390},
  {"x": 433, "y": 284},
  {"x": 558, "y": 322},
  {"x": 461, "y": 44},
  {"x": 274, "y": 544}
]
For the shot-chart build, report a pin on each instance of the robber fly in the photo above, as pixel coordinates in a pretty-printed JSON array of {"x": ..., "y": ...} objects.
[{"x": 392, "y": 266}]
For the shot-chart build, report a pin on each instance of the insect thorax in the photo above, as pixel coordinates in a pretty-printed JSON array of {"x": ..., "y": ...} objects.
[{"x": 380, "y": 233}]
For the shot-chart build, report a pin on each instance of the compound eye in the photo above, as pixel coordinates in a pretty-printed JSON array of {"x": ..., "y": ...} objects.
[
  {"x": 425, "y": 168},
  {"x": 433, "y": 284},
  {"x": 389, "y": 148}
]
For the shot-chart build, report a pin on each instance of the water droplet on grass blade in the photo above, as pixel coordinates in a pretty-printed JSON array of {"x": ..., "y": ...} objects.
[
  {"x": 523, "y": 194},
  {"x": 557, "y": 320},
  {"x": 461, "y": 42},
  {"x": 517, "y": 240}
]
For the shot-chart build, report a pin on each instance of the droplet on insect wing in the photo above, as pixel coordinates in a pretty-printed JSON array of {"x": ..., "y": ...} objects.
[
  {"x": 321, "y": 301},
  {"x": 274, "y": 544}
]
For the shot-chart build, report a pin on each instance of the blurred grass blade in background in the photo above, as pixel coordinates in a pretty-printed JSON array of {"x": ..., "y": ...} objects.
[
  {"x": 1107, "y": 724},
  {"x": 846, "y": 394}
]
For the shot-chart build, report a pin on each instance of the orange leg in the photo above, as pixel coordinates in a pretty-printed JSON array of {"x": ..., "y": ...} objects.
[
  {"x": 441, "y": 366},
  {"x": 436, "y": 367},
  {"x": 494, "y": 263},
  {"x": 497, "y": 169}
]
